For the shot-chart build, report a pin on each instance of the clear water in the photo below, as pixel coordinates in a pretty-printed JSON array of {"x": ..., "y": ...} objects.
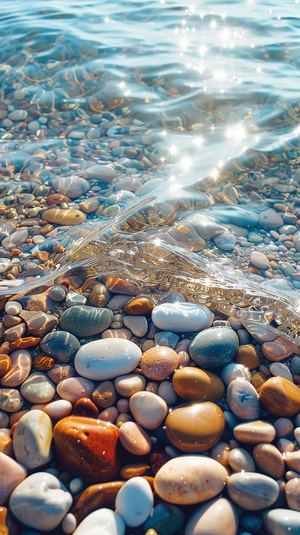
[{"x": 215, "y": 86}]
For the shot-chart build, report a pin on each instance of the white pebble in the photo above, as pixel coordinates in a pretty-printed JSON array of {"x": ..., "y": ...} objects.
[{"x": 134, "y": 501}]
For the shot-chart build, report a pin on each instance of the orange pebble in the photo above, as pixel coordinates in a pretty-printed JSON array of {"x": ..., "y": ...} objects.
[
  {"x": 248, "y": 356},
  {"x": 29, "y": 341},
  {"x": 43, "y": 363},
  {"x": 85, "y": 407},
  {"x": 5, "y": 364}
]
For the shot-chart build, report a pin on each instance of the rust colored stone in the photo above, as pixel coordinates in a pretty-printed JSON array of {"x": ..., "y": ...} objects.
[
  {"x": 121, "y": 286},
  {"x": 4, "y": 348},
  {"x": 134, "y": 470},
  {"x": 258, "y": 379},
  {"x": 276, "y": 351},
  {"x": 43, "y": 256},
  {"x": 248, "y": 356},
  {"x": 43, "y": 363},
  {"x": 85, "y": 407},
  {"x": 46, "y": 229},
  {"x": 140, "y": 306},
  {"x": 57, "y": 198},
  {"x": 87, "y": 447},
  {"x": 6, "y": 446},
  {"x": 95, "y": 497},
  {"x": 23, "y": 343},
  {"x": 280, "y": 397},
  {"x": 5, "y": 364},
  {"x": 157, "y": 460}
]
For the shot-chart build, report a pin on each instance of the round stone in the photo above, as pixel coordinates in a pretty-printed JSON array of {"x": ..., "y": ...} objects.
[
  {"x": 38, "y": 388},
  {"x": 148, "y": 409},
  {"x": 280, "y": 397},
  {"x": 138, "y": 325},
  {"x": 139, "y": 306},
  {"x": 190, "y": 479},
  {"x": 225, "y": 241},
  {"x": 254, "y": 432},
  {"x": 213, "y": 348},
  {"x": 248, "y": 356},
  {"x": 252, "y": 491},
  {"x": 216, "y": 516},
  {"x": 195, "y": 427},
  {"x": 40, "y": 501},
  {"x": 10, "y": 400},
  {"x": 72, "y": 186},
  {"x": 194, "y": 384},
  {"x": 127, "y": 385},
  {"x": 182, "y": 317},
  {"x": 158, "y": 362},
  {"x": 32, "y": 439},
  {"x": 259, "y": 260},
  {"x": 134, "y": 501},
  {"x": 103, "y": 522},
  {"x": 282, "y": 522},
  {"x": 83, "y": 320},
  {"x": 240, "y": 460},
  {"x": 235, "y": 371},
  {"x": 74, "y": 388},
  {"x": 103, "y": 173},
  {"x": 77, "y": 441},
  {"x": 62, "y": 217},
  {"x": 107, "y": 358},
  {"x": 243, "y": 400},
  {"x": 60, "y": 344}
]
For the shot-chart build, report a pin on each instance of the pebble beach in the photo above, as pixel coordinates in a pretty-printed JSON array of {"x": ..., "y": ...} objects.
[{"x": 149, "y": 302}]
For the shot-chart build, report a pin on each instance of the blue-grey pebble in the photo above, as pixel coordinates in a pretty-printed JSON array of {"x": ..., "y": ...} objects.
[
  {"x": 60, "y": 345},
  {"x": 83, "y": 320},
  {"x": 166, "y": 338},
  {"x": 72, "y": 186},
  {"x": 225, "y": 241},
  {"x": 237, "y": 215},
  {"x": 57, "y": 293},
  {"x": 213, "y": 348},
  {"x": 165, "y": 518}
]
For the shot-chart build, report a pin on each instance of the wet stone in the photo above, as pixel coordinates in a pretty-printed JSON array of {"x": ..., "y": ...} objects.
[
  {"x": 270, "y": 219},
  {"x": 74, "y": 388},
  {"x": 225, "y": 241},
  {"x": 213, "y": 348},
  {"x": 72, "y": 186},
  {"x": 280, "y": 397},
  {"x": 63, "y": 217},
  {"x": 282, "y": 521},
  {"x": 243, "y": 400},
  {"x": 259, "y": 260},
  {"x": 219, "y": 516},
  {"x": 139, "y": 306},
  {"x": 269, "y": 460},
  {"x": 19, "y": 370},
  {"x": 159, "y": 362},
  {"x": 60, "y": 345},
  {"x": 134, "y": 438},
  {"x": 10, "y": 400},
  {"x": 252, "y": 491},
  {"x": 102, "y": 173},
  {"x": 181, "y": 317},
  {"x": 83, "y": 320},
  {"x": 148, "y": 409},
  {"x": 240, "y": 460},
  {"x": 38, "y": 388},
  {"x": 11, "y": 474},
  {"x": 254, "y": 432},
  {"x": 38, "y": 323},
  {"x": 194, "y": 384},
  {"x": 60, "y": 372}
]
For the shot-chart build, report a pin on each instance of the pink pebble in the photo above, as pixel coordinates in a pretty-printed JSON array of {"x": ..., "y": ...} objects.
[
  {"x": 75, "y": 388},
  {"x": 11, "y": 474}
]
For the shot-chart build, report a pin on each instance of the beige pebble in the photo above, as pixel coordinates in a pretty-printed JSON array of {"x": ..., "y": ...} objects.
[
  {"x": 254, "y": 432},
  {"x": 75, "y": 388},
  {"x": 104, "y": 395},
  {"x": 220, "y": 453},
  {"x": 292, "y": 494},
  {"x": 58, "y": 409},
  {"x": 190, "y": 479},
  {"x": 10, "y": 400},
  {"x": 284, "y": 427},
  {"x": 20, "y": 368},
  {"x": 38, "y": 388},
  {"x": 243, "y": 399},
  {"x": 284, "y": 445},
  {"x": 217, "y": 517},
  {"x": 292, "y": 460},
  {"x": 138, "y": 325},
  {"x": 240, "y": 460},
  {"x": 134, "y": 438},
  {"x": 159, "y": 362},
  {"x": 148, "y": 409},
  {"x": 252, "y": 491},
  {"x": 63, "y": 217},
  {"x": 110, "y": 414},
  {"x": 127, "y": 385},
  {"x": 32, "y": 439},
  {"x": 269, "y": 460},
  {"x": 123, "y": 418},
  {"x": 124, "y": 334}
]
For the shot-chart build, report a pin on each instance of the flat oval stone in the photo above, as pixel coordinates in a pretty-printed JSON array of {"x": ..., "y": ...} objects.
[
  {"x": 259, "y": 260},
  {"x": 243, "y": 400},
  {"x": 83, "y": 320},
  {"x": 182, "y": 317},
  {"x": 38, "y": 388},
  {"x": 216, "y": 516},
  {"x": 148, "y": 409},
  {"x": 107, "y": 358},
  {"x": 254, "y": 432},
  {"x": 32, "y": 439},
  {"x": 240, "y": 460},
  {"x": 213, "y": 348},
  {"x": 62, "y": 217},
  {"x": 134, "y": 501},
  {"x": 72, "y": 186},
  {"x": 20, "y": 368},
  {"x": 103, "y": 173},
  {"x": 280, "y": 397},
  {"x": 58, "y": 409},
  {"x": 282, "y": 522},
  {"x": 158, "y": 362},
  {"x": 269, "y": 460},
  {"x": 194, "y": 384},
  {"x": 292, "y": 493},
  {"x": 103, "y": 522},
  {"x": 11, "y": 474},
  {"x": 190, "y": 479},
  {"x": 134, "y": 438},
  {"x": 10, "y": 400},
  {"x": 127, "y": 385},
  {"x": 87, "y": 447},
  {"x": 40, "y": 501},
  {"x": 74, "y": 388},
  {"x": 195, "y": 427},
  {"x": 60, "y": 344},
  {"x": 252, "y": 491},
  {"x": 141, "y": 305}
]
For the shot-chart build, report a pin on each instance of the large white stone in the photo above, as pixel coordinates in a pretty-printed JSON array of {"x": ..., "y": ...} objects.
[
  {"x": 107, "y": 358},
  {"x": 134, "y": 501},
  {"x": 32, "y": 439},
  {"x": 148, "y": 409},
  {"x": 41, "y": 501},
  {"x": 101, "y": 522},
  {"x": 182, "y": 317}
]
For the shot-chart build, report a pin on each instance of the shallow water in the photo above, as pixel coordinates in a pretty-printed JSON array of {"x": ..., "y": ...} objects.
[{"x": 206, "y": 98}]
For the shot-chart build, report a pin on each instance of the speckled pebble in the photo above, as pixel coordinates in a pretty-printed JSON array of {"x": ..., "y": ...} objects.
[{"x": 213, "y": 348}]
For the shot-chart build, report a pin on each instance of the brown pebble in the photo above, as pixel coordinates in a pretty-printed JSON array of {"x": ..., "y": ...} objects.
[
  {"x": 292, "y": 493},
  {"x": 96, "y": 497},
  {"x": 4, "y": 348},
  {"x": 63, "y": 217},
  {"x": 248, "y": 356},
  {"x": 85, "y": 407},
  {"x": 60, "y": 372},
  {"x": 269, "y": 460},
  {"x": 121, "y": 286},
  {"x": 254, "y": 432},
  {"x": 159, "y": 362},
  {"x": 5, "y": 364},
  {"x": 104, "y": 395},
  {"x": 280, "y": 397},
  {"x": 6, "y": 446},
  {"x": 258, "y": 379},
  {"x": 140, "y": 306},
  {"x": 276, "y": 351},
  {"x": 134, "y": 470},
  {"x": 43, "y": 363},
  {"x": 57, "y": 198},
  {"x": 195, "y": 384},
  {"x": 157, "y": 460},
  {"x": 23, "y": 343}
]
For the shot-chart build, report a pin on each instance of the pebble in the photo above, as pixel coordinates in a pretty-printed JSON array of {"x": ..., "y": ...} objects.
[
  {"x": 134, "y": 501},
  {"x": 103, "y": 173},
  {"x": 269, "y": 460},
  {"x": 85, "y": 407},
  {"x": 73, "y": 298},
  {"x": 141, "y": 305},
  {"x": 292, "y": 460},
  {"x": 107, "y": 358},
  {"x": 164, "y": 518},
  {"x": 158, "y": 362},
  {"x": 225, "y": 241},
  {"x": 127, "y": 385},
  {"x": 60, "y": 408},
  {"x": 235, "y": 371},
  {"x": 137, "y": 324},
  {"x": 104, "y": 395},
  {"x": 217, "y": 516},
  {"x": 40, "y": 501},
  {"x": 195, "y": 427},
  {"x": 83, "y": 320},
  {"x": 281, "y": 370},
  {"x": 59, "y": 216},
  {"x": 74, "y": 388},
  {"x": 103, "y": 522},
  {"x": 240, "y": 460},
  {"x": 292, "y": 494},
  {"x": 13, "y": 308},
  {"x": 61, "y": 345},
  {"x": 18, "y": 115},
  {"x": 77, "y": 442},
  {"x": 134, "y": 438},
  {"x": 282, "y": 522},
  {"x": 195, "y": 384},
  {"x": 11, "y": 474},
  {"x": 19, "y": 370},
  {"x": 181, "y": 317},
  {"x": 10, "y": 400},
  {"x": 252, "y": 491},
  {"x": 280, "y": 397},
  {"x": 259, "y": 260},
  {"x": 60, "y": 372},
  {"x": 32, "y": 439},
  {"x": 254, "y": 432},
  {"x": 5, "y": 364},
  {"x": 276, "y": 351},
  {"x": 270, "y": 219},
  {"x": 243, "y": 400},
  {"x": 190, "y": 479},
  {"x": 72, "y": 186},
  {"x": 148, "y": 409},
  {"x": 38, "y": 388},
  {"x": 121, "y": 286},
  {"x": 97, "y": 496},
  {"x": 214, "y": 347},
  {"x": 15, "y": 240}
]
